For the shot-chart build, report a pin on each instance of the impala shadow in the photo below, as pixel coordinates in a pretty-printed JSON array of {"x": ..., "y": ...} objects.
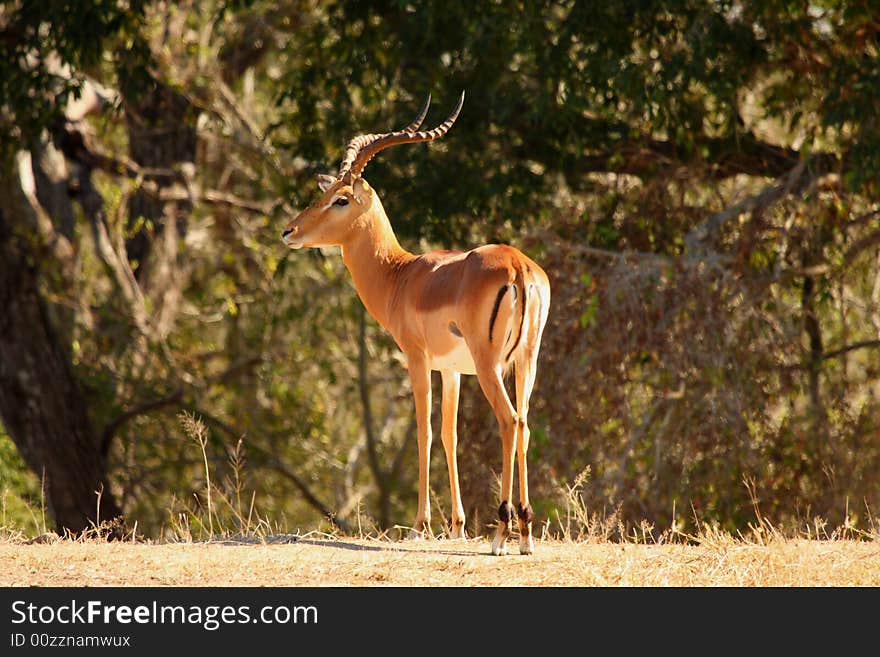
[
  {"x": 401, "y": 546},
  {"x": 420, "y": 547}
]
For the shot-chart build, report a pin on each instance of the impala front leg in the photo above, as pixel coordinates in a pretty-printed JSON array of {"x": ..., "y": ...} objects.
[
  {"x": 420, "y": 377},
  {"x": 449, "y": 434}
]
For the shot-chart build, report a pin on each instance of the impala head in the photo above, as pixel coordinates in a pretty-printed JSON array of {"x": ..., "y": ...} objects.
[
  {"x": 329, "y": 221},
  {"x": 347, "y": 197}
]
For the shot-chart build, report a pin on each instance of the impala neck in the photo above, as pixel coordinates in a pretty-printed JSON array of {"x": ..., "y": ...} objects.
[{"x": 373, "y": 257}]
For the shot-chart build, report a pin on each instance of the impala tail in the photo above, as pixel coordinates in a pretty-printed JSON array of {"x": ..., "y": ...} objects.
[{"x": 508, "y": 317}]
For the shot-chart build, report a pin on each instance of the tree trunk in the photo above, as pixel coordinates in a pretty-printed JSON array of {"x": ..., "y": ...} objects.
[
  {"x": 161, "y": 126},
  {"x": 383, "y": 485},
  {"x": 40, "y": 404}
]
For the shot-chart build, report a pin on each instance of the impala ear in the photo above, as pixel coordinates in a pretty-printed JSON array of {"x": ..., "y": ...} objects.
[
  {"x": 361, "y": 189},
  {"x": 324, "y": 181}
]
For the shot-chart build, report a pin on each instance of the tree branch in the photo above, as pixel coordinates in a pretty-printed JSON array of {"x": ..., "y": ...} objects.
[
  {"x": 367, "y": 409},
  {"x": 408, "y": 433},
  {"x": 307, "y": 494},
  {"x": 863, "y": 243},
  {"x": 111, "y": 254},
  {"x": 141, "y": 409},
  {"x": 720, "y": 157},
  {"x": 835, "y": 353},
  {"x": 796, "y": 179},
  {"x": 163, "y": 184},
  {"x": 272, "y": 462},
  {"x": 211, "y": 197},
  {"x": 60, "y": 246},
  {"x": 863, "y": 344}
]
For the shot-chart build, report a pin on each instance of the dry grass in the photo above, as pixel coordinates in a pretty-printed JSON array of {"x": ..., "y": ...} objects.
[
  {"x": 319, "y": 560},
  {"x": 223, "y": 541}
]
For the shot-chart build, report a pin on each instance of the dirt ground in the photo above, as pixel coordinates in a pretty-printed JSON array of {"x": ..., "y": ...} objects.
[{"x": 329, "y": 561}]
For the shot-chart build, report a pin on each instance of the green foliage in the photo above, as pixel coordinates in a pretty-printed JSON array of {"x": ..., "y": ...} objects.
[
  {"x": 550, "y": 83},
  {"x": 36, "y": 39},
  {"x": 19, "y": 491}
]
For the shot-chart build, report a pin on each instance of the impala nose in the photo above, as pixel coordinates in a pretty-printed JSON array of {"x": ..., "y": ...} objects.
[{"x": 286, "y": 232}]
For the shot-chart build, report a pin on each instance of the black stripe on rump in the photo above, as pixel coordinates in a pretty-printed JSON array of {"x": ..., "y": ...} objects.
[{"x": 494, "y": 315}]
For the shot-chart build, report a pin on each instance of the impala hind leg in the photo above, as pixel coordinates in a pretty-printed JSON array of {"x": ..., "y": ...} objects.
[
  {"x": 526, "y": 370},
  {"x": 449, "y": 435},
  {"x": 493, "y": 387},
  {"x": 525, "y": 381},
  {"x": 420, "y": 377}
]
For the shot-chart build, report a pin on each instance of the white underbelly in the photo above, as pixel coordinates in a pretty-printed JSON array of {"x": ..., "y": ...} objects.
[{"x": 457, "y": 360}]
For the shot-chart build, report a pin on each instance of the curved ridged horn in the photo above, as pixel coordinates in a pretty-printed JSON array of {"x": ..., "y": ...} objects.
[
  {"x": 417, "y": 122},
  {"x": 358, "y": 143},
  {"x": 362, "y": 149}
]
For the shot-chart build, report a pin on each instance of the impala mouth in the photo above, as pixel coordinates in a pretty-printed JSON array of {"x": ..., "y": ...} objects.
[{"x": 292, "y": 242}]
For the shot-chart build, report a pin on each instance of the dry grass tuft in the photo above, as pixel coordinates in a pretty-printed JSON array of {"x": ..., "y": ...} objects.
[{"x": 227, "y": 511}]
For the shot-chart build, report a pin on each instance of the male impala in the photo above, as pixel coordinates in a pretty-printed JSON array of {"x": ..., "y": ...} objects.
[{"x": 477, "y": 312}]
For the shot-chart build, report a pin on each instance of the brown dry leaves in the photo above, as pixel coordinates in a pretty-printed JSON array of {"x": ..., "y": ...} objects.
[{"x": 323, "y": 561}]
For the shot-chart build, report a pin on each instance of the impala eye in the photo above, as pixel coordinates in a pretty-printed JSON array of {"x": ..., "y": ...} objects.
[{"x": 341, "y": 202}]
